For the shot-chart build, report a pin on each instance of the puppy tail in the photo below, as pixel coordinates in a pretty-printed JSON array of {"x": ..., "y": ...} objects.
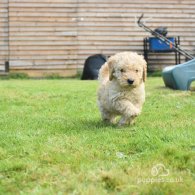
[{"x": 104, "y": 74}]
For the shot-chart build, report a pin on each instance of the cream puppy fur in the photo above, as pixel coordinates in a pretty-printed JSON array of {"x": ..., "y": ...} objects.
[{"x": 122, "y": 88}]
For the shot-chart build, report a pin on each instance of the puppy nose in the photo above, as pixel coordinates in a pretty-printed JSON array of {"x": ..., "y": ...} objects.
[{"x": 130, "y": 82}]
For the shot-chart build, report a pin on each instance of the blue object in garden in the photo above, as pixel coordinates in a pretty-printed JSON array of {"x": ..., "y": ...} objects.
[
  {"x": 157, "y": 45},
  {"x": 181, "y": 76}
]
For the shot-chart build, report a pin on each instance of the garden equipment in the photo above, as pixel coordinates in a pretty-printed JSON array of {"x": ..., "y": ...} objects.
[
  {"x": 163, "y": 38},
  {"x": 176, "y": 77}
]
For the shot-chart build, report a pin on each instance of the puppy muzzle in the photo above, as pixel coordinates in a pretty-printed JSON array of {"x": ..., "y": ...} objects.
[{"x": 130, "y": 81}]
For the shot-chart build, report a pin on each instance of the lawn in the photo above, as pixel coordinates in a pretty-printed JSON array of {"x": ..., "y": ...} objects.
[{"x": 52, "y": 141}]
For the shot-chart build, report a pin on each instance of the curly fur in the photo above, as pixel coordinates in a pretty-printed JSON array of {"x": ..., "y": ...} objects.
[{"x": 117, "y": 95}]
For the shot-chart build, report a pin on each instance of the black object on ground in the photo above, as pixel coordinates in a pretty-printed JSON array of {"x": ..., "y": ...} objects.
[{"x": 92, "y": 66}]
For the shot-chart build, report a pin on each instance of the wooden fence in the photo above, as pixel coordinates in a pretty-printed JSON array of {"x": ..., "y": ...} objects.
[{"x": 42, "y": 37}]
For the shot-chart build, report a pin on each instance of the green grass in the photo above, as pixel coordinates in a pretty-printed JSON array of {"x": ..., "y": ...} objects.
[{"x": 52, "y": 141}]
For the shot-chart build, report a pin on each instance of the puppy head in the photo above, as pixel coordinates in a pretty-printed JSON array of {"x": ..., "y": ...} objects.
[{"x": 127, "y": 68}]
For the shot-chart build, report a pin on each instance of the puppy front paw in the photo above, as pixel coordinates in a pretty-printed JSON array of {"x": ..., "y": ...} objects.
[
  {"x": 127, "y": 121},
  {"x": 135, "y": 112}
]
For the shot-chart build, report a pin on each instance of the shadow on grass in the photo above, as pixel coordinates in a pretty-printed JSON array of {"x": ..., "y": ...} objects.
[
  {"x": 192, "y": 89},
  {"x": 97, "y": 125},
  {"x": 162, "y": 87},
  {"x": 94, "y": 125}
]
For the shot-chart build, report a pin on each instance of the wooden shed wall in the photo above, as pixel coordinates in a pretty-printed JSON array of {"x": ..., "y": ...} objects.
[
  {"x": 56, "y": 36},
  {"x": 43, "y": 36}
]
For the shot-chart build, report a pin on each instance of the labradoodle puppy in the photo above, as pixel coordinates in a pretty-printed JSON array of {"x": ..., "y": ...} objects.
[{"x": 122, "y": 89}]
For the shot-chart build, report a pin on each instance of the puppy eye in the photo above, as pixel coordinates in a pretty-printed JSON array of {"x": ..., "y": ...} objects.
[
  {"x": 122, "y": 70},
  {"x": 136, "y": 70}
]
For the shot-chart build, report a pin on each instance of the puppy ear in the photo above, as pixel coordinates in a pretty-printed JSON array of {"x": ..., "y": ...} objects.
[
  {"x": 144, "y": 72},
  {"x": 111, "y": 68}
]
